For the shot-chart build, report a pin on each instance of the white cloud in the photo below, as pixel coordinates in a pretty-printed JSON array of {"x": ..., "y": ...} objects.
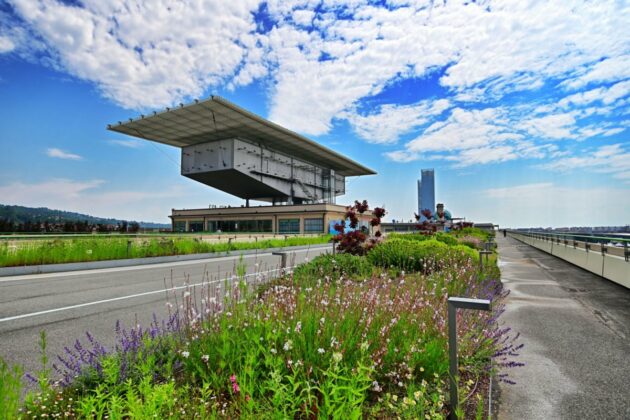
[
  {"x": 58, "y": 153},
  {"x": 610, "y": 69},
  {"x": 402, "y": 156},
  {"x": 6, "y": 45},
  {"x": 146, "y": 54},
  {"x": 484, "y": 155},
  {"x": 389, "y": 122},
  {"x": 465, "y": 129},
  {"x": 90, "y": 197},
  {"x": 553, "y": 126},
  {"x": 131, "y": 143},
  {"x": 323, "y": 61},
  {"x": 487, "y": 49},
  {"x": 611, "y": 159}
]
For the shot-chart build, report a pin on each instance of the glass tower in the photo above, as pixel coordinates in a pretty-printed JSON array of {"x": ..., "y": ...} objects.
[{"x": 426, "y": 192}]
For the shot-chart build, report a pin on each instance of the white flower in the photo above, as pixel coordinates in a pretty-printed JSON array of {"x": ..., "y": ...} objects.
[
  {"x": 288, "y": 345},
  {"x": 376, "y": 387},
  {"x": 321, "y": 350},
  {"x": 185, "y": 354},
  {"x": 298, "y": 327},
  {"x": 205, "y": 358},
  {"x": 273, "y": 351},
  {"x": 337, "y": 357},
  {"x": 364, "y": 346}
]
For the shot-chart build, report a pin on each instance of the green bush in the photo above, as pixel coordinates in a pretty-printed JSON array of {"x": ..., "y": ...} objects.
[
  {"x": 446, "y": 238},
  {"x": 408, "y": 255},
  {"x": 417, "y": 237},
  {"x": 334, "y": 267}
]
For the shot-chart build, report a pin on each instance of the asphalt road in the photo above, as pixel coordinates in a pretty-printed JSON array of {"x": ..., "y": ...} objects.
[
  {"x": 66, "y": 305},
  {"x": 576, "y": 329}
]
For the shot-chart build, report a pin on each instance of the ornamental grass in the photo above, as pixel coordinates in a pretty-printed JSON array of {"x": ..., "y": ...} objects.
[{"x": 339, "y": 338}]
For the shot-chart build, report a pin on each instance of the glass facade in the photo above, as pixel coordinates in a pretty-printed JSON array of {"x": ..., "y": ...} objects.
[
  {"x": 240, "y": 225},
  {"x": 195, "y": 226},
  {"x": 288, "y": 225},
  {"x": 426, "y": 192},
  {"x": 179, "y": 226},
  {"x": 314, "y": 225}
]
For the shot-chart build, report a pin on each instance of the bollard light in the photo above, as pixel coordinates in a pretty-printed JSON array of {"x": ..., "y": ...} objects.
[
  {"x": 481, "y": 254},
  {"x": 455, "y": 303}
]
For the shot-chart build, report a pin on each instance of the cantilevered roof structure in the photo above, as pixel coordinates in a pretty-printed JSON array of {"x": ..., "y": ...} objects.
[
  {"x": 229, "y": 148},
  {"x": 216, "y": 119}
]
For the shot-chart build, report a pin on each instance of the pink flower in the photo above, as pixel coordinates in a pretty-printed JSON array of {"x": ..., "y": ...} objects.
[{"x": 235, "y": 386}]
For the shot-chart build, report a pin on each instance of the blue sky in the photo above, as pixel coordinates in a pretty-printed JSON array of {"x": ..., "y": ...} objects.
[{"x": 521, "y": 107}]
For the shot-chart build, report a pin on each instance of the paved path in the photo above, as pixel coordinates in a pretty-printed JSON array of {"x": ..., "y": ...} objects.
[
  {"x": 576, "y": 330},
  {"x": 66, "y": 305}
]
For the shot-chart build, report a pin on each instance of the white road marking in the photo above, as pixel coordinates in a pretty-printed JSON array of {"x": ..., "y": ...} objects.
[{"x": 153, "y": 292}]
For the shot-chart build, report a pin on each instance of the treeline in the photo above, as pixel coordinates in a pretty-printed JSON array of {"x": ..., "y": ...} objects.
[
  {"x": 42, "y": 219},
  {"x": 68, "y": 226}
]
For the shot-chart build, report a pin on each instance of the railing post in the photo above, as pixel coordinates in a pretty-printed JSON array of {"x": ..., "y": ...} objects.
[
  {"x": 453, "y": 304},
  {"x": 626, "y": 252}
]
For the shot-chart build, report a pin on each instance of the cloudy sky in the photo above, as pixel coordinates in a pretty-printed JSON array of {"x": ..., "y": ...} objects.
[{"x": 522, "y": 107}]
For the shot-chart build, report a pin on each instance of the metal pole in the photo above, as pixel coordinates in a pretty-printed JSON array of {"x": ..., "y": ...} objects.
[{"x": 453, "y": 304}]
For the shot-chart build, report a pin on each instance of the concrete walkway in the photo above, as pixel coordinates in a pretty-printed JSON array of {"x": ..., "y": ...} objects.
[{"x": 576, "y": 330}]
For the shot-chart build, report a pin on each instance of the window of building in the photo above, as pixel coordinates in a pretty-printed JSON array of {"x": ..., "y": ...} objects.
[
  {"x": 314, "y": 225},
  {"x": 289, "y": 225},
  {"x": 179, "y": 226},
  {"x": 240, "y": 226},
  {"x": 195, "y": 226}
]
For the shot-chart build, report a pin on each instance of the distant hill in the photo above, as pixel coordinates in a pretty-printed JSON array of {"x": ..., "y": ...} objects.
[{"x": 21, "y": 214}]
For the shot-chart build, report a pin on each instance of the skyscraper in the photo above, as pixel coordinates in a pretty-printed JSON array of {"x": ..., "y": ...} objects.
[{"x": 426, "y": 192}]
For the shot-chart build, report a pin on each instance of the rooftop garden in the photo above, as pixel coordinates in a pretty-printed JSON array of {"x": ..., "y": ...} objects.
[{"x": 359, "y": 334}]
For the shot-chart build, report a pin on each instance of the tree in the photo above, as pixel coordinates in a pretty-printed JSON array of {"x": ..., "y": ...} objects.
[
  {"x": 356, "y": 241},
  {"x": 134, "y": 227}
]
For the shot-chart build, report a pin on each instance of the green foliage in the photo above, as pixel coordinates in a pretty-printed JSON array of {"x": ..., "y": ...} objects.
[
  {"x": 311, "y": 346},
  {"x": 333, "y": 267},
  {"x": 10, "y": 388},
  {"x": 439, "y": 236},
  {"x": 99, "y": 249},
  {"x": 422, "y": 256},
  {"x": 480, "y": 234}
]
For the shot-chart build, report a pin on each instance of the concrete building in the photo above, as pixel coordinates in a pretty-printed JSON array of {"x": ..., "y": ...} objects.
[
  {"x": 229, "y": 148},
  {"x": 426, "y": 192},
  {"x": 283, "y": 219}
]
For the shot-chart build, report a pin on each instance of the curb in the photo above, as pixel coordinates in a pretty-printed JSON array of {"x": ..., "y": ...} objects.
[{"x": 93, "y": 265}]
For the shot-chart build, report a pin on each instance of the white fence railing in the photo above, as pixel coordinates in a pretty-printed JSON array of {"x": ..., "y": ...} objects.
[{"x": 609, "y": 259}]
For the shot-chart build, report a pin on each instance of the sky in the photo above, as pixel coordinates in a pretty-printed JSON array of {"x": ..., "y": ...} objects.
[{"x": 521, "y": 107}]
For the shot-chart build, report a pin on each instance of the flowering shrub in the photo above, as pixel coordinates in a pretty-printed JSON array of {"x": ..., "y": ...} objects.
[
  {"x": 320, "y": 347},
  {"x": 423, "y": 256},
  {"x": 334, "y": 267},
  {"x": 357, "y": 242}
]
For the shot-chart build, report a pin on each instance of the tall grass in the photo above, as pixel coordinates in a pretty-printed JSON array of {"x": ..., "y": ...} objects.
[
  {"x": 99, "y": 249},
  {"x": 339, "y": 339},
  {"x": 10, "y": 388}
]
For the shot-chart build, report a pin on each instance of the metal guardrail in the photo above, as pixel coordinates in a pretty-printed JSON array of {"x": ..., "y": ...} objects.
[
  {"x": 611, "y": 245},
  {"x": 567, "y": 235}
]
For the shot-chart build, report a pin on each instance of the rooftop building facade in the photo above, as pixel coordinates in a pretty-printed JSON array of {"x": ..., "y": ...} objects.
[{"x": 229, "y": 148}]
